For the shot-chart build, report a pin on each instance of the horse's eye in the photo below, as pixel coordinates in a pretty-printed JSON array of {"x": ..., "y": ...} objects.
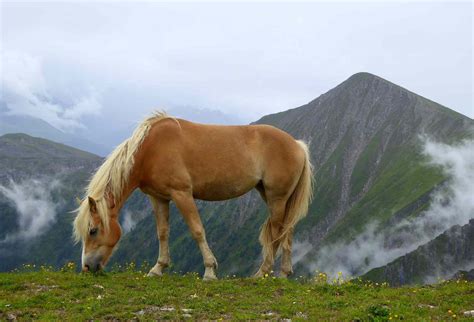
[{"x": 93, "y": 231}]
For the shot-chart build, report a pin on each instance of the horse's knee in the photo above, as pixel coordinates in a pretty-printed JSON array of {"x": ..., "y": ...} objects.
[
  {"x": 198, "y": 234},
  {"x": 163, "y": 234}
]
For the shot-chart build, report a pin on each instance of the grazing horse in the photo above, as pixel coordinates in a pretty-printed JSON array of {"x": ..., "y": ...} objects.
[{"x": 175, "y": 160}]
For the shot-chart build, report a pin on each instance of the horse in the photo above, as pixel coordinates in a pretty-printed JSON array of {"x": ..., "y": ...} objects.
[{"x": 171, "y": 159}]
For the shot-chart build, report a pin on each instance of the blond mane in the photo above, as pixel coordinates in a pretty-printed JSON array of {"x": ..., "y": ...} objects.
[{"x": 112, "y": 177}]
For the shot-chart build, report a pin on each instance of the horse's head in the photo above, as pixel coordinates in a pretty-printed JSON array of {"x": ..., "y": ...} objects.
[{"x": 98, "y": 227}]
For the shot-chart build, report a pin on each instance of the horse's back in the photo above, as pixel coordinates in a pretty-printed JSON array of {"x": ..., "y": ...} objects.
[
  {"x": 217, "y": 161},
  {"x": 256, "y": 144}
]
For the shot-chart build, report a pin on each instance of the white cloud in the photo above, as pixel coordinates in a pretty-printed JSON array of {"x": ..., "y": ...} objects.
[
  {"x": 35, "y": 208},
  {"x": 26, "y": 91},
  {"x": 450, "y": 205},
  {"x": 127, "y": 222},
  {"x": 130, "y": 220}
]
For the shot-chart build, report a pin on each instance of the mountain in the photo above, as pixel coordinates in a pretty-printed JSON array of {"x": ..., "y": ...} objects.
[
  {"x": 18, "y": 150},
  {"x": 38, "y": 128},
  {"x": 442, "y": 257},
  {"x": 366, "y": 149},
  {"x": 365, "y": 144}
]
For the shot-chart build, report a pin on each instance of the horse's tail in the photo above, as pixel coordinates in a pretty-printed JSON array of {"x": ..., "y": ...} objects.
[
  {"x": 298, "y": 203},
  {"x": 296, "y": 207}
]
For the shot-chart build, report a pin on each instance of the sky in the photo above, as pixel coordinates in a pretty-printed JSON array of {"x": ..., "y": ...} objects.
[{"x": 79, "y": 65}]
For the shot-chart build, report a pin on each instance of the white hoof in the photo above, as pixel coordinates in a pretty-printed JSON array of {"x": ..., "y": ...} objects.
[
  {"x": 157, "y": 270},
  {"x": 209, "y": 274},
  {"x": 152, "y": 274},
  {"x": 285, "y": 274},
  {"x": 259, "y": 274}
]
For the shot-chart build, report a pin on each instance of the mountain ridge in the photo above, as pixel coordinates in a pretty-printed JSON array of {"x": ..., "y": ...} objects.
[
  {"x": 361, "y": 77},
  {"x": 37, "y": 127}
]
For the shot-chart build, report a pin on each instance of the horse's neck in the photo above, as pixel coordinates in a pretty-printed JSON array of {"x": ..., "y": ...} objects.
[{"x": 127, "y": 190}]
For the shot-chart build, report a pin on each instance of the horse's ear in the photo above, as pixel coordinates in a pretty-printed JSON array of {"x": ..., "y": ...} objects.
[{"x": 92, "y": 205}]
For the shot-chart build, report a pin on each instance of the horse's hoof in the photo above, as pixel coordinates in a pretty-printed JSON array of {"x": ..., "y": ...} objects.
[
  {"x": 209, "y": 278},
  {"x": 153, "y": 274},
  {"x": 259, "y": 274},
  {"x": 284, "y": 274},
  {"x": 209, "y": 274}
]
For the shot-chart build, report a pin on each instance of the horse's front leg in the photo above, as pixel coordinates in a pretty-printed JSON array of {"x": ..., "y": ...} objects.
[
  {"x": 161, "y": 208},
  {"x": 186, "y": 205}
]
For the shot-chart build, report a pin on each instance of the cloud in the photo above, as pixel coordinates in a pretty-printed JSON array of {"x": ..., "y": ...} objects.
[
  {"x": 130, "y": 220},
  {"x": 27, "y": 91},
  {"x": 127, "y": 222},
  {"x": 452, "y": 204},
  {"x": 33, "y": 202},
  {"x": 142, "y": 55}
]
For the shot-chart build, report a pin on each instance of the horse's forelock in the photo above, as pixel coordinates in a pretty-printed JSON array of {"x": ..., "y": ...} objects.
[{"x": 82, "y": 223}]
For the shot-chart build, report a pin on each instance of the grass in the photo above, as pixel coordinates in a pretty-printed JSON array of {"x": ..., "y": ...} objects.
[{"x": 63, "y": 295}]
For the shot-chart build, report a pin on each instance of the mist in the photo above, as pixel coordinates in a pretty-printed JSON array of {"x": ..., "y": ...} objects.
[
  {"x": 451, "y": 204},
  {"x": 28, "y": 91},
  {"x": 130, "y": 220},
  {"x": 35, "y": 208}
]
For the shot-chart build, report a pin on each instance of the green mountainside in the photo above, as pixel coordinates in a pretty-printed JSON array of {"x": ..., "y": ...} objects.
[{"x": 23, "y": 159}]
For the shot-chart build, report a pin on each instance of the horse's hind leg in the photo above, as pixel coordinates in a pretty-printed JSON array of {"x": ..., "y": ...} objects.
[
  {"x": 270, "y": 234},
  {"x": 161, "y": 208},
  {"x": 286, "y": 266},
  {"x": 185, "y": 203}
]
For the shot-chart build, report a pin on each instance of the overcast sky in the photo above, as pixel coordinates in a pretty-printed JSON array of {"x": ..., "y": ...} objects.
[{"x": 72, "y": 63}]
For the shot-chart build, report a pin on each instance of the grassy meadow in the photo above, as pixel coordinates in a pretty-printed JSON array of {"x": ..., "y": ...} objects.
[{"x": 128, "y": 294}]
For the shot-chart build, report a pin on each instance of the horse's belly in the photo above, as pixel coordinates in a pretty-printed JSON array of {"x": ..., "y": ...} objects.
[{"x": 221, "y": 189}]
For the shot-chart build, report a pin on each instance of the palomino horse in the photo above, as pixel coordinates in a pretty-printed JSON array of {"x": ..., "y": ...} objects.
[{"x": 175, "y": 160}]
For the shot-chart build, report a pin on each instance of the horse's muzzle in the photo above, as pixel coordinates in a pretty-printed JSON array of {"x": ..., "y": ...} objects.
[
  {"x": 92, "y": 264},
  {"x": 92, "y": 268}
]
